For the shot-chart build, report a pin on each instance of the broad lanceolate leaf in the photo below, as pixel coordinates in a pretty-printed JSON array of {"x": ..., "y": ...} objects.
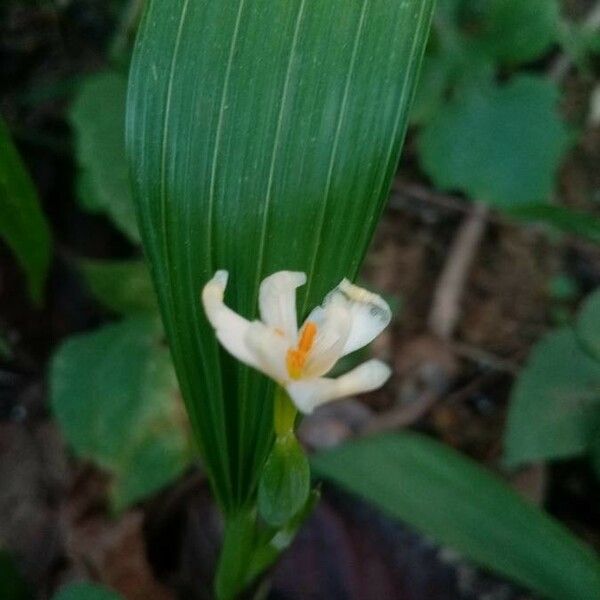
[
  {"x": 86, "y": 591},
  {"x": 114, "y": 394},
  {"x": 123, "y": 287},
  {"x": 438, "y": 491},
  {"x": 22, "y": 223},
  {"x": 261, "y": 136},
  {"x": 98, "y": 119},
  {"x": 555, "y": 404},
  {"x": 500, "y": 145}
]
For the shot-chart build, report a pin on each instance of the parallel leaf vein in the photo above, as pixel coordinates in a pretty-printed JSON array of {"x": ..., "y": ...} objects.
[{"x": 334, "y": 149}]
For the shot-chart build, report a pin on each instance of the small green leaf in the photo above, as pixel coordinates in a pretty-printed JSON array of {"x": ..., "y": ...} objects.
[
  {"x": 451, "y": 498},
  {"x": 114, "y": 394},
  {"x": 98, "y": 119},
  {"x": 152, "y": 463},
  {"x": 86, "y": 591},
  {"x": 555, "y": 404},
  {"x": 561, "y": 218},
  {"x": 500, "y": 145},
  {"x": 514, "y": 31},
  {"x": 22, "y": 222},
  {"x": 284, "y": 483},
  {"x": 588, "y": 324},
  {"x": 123, "y": 287}
]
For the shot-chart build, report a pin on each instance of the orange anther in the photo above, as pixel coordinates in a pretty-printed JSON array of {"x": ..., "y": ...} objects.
[
  {"x": 307, "y": 337},
  {"x": 296, "y": 357}
]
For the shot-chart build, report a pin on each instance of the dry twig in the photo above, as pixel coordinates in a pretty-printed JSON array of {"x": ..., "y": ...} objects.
[{"x": 445, "y": 310}]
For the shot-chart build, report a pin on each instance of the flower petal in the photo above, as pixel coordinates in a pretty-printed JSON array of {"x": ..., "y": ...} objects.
[
  {"x": 270, "y": 348},
  {"x": 277, "y": 302},
  {"x": 309, "y": 394},
  {"x": 231, "y": 329},
  {"x": 370, "y": 313},
  {"x": 333, "y": 327}
]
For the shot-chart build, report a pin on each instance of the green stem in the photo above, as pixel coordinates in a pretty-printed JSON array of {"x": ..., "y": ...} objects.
[
  {"x": 284, "y": 413},
  {"x": 236, "y": 554},
  {"x": 249, "y": 547}
]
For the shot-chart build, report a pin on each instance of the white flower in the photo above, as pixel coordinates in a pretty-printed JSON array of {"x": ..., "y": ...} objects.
[{"x": 349, "y": 318}]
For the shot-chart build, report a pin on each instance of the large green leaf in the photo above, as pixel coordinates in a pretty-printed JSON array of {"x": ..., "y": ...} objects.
[
  {"x": 261, "y": 136},
  {"x": 500, "y": 145},
  {"x": 441, "y": 493},
  {"x": 22, "y": 223},
  {"x": 114, "y": 394},
  {"x": 98, "y": 119},
  {"x": 555, "y": 404}
]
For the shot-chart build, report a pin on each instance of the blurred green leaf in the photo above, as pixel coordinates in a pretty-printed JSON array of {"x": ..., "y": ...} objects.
[
  {"x": 86, "y": 591},
  {"x": 588, "y": 325},
  {"x": 123, "y": 287},
  {"x": 12, "y": 586},
  {"x": 563, "y": 288},
  {"x": 555, "y": 403},
  {"x": 436, "y": 77},
  {"x": 445, "y": 70},
  {"x": 451, "y": 498},
  {"x": 98, "y": 120},
  {"x": 262, "y": 136},
  {"x": 513, "y": 31},
  {"x": 284, "y": 483},
  {"x": 500, "y": 145},
  {"x": 114, "y": 394},
  {"x": 561, "y": 218},
  {"x": 22, "y": 222}
]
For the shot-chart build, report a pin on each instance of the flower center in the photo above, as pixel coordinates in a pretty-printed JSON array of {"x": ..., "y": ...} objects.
[{"x": 296, "y": 357}]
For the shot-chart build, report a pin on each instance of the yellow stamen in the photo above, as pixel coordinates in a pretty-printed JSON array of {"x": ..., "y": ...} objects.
[{"x": 296, "y": 357}]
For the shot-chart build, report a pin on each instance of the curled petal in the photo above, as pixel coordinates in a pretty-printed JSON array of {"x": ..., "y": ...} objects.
[
  {"x": 277, "y": 301},
  {"x": 269, "y": 348},
  {"x": 231, "y": 328},
  {"x": 370, "y": 313},
  {"x": 311, "y": 393},
  {"x": 333, "y": 324}
]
